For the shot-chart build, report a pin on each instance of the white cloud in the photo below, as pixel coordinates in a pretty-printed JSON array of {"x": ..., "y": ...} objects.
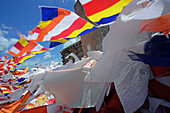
[
  {"x": 46, "y": 63},
  {"x": 3, "y": 32},
  {"x": 6, "y": 27},
  {"x": 6, "y": 51},
  {"x": 65, "y": 1},
  {"x": 70, "y": 42},
  {"x": 13, "y": 41},
  {"x": 25, "y": 64},
  {"x": 47, "y": 55},
  {"x": 6, "y": 43}
]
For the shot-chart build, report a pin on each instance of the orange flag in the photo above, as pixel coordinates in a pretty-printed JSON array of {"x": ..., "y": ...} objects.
[
  {"x": 161, "y": 24},
  {"x": 17, "y": 105}
]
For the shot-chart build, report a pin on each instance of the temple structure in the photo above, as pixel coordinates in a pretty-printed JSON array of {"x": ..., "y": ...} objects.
[{"x": 75, "y": 48}]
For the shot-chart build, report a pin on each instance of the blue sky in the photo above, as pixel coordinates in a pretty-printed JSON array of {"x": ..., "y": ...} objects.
[{"x": 23, "y": 16}]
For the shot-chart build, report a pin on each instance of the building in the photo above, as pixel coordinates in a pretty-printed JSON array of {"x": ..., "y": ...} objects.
[{"x": 75, "y": 48}]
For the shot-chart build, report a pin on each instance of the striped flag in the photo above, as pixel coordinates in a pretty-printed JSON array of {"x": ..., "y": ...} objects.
[
  {"x": 2, "y": 59},
  {"x": 103, "y": 11},
  {"x": 2, "y": 62},
  {"x": 1, "y": 65},
  {"x": 23, "y": 46},
  {"x": 8, "y": 65},
  {"x": 25, "y": 70},
  {"x": 7, "y": 89},
  {"x": 27, "y": 56},
  {"x": 22, "y": 59},
  {"x": 11, "y": 63},
  {"x": 60, "y": 24}
]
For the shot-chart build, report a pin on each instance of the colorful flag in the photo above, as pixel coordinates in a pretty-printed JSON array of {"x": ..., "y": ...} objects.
[
  {"x": 53, "y": 108},
  {"x": 103, "y": 11},
  {"x": 27, "y": 56},
  {"x": 8, "y": 65},
  {"x": 1, "y": 65},
  {"x": 2, "y": 59},
  {"x": 40, "y": 100},
  {"x": 24, "y": 58},
  {"x": 25, "y": 69},
  {"x": 59, "y": 23},
  {"x": 7, "y": 89},
  {"x": 23, "y": 46},
  {"x": 11, "y": 63}
]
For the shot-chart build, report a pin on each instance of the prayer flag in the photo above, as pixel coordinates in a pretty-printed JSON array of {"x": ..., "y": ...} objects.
[
  {"x": 58, "y": 23},
  {"x": 2, "y": 59},
  {"x": 103, "y": 11},
  {"x": 23, "y": 46},
  {"x": 7, "y": 88}
]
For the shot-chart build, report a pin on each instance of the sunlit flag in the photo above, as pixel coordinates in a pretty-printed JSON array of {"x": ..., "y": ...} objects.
[
  {"x": 59, "y": 24},
  {"x": 103, "y": 11},
  {"x": 23, "y": 46}
]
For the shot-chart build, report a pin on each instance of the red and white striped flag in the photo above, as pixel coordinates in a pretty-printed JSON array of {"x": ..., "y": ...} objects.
[{"x": 23, "y": 46}]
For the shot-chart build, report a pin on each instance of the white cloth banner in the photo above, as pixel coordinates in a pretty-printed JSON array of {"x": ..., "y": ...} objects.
[
  {"x": 154, "y": 9},
  {"x": 130, "y": 77},
  {"x": 70, "y": 89}
]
